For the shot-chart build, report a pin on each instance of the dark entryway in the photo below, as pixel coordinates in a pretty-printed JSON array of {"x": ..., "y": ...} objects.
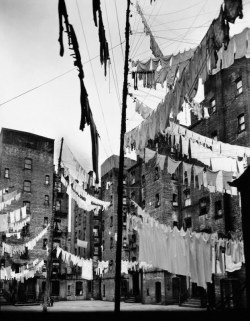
[
  {"x": 136, "y": 290},
  {"x": 158, "y": 292}
]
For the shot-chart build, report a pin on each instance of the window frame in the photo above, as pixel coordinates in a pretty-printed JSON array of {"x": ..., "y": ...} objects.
[
  {"x": 7, "y": 171},
  {"x": 25, "y": 187},
  {"x": 213, "y": 105},
  {"x": 241, "y": 123},
  {"x": 46, "y": 200},
  {"x": 239, "y": 89},
  {"x": 47, "y": 180}
]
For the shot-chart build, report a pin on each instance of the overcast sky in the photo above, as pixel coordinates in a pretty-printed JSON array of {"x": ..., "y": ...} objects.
[{"x": 39, "y": 90}]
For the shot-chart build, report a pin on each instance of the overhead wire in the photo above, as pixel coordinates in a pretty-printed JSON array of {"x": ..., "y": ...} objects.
[
  {"x": 98, "y": 95},
  {"x": 118, "y": 28},
  {"x": 115, "y": 72},
  {"x": 50, "y": 80}
]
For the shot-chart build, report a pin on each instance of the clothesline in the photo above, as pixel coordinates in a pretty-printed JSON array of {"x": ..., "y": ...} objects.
[
  {"x": 192, "y": 254},
  {"x": 20, "y": 249},
  {"x": 86, "y": 265},
  {"x": 78, "y": 193},
  {"x": 8, "y": 274}
]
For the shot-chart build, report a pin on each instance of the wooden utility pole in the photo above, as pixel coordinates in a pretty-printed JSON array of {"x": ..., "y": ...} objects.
[
  {"x": 121, "y": 167},
  {"x": 51, "y": 231}
]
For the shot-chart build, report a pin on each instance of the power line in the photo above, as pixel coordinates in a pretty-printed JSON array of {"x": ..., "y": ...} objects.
[
  {"x": 118, "y": 27},
  {"x": 50, "y": 80}
]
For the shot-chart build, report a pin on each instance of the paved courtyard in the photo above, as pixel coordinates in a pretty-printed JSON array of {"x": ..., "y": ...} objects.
[{"x": 96, "y": 306}]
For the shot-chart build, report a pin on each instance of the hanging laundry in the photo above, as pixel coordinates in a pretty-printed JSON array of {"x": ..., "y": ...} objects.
[
  {"x": 142, "y": 109},
  {"x": 172, "y": 165},
  {"x": 187, "y": 168},
  {"x": 104, "y": 50},
  {"x": 221, "y": 31},
  {"x": 81, "y": 243},
  {"x": 149, "y": 154},
  {"x": 233, "y": 9},
  {"x": 3, "y": 222},
  {"x": 161, "y": 161}
]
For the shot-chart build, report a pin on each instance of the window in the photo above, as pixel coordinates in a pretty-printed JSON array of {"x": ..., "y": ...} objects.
[
  {"x": 46, "y": 179},
  {"x": 111, "y": 265},
  {"x": 241, "y": 123},
  {"x": 27, "y": 204},
  {"x": 185, "y": 178},
  {"x": 59, "y": 187},
  {"x": 175, "y": 200},
  {"x": 45, "y": 242},
  {"x": 213, "y": 105},
  {"x": 111, "y": 242},
  {"x": 96, "y": 232},
  {"x": 27, "y": 186},
  {"x": 58, "y": 205},
  {"x": 218, "y": 209},
  {"x": 124, "y": 242},
  {"x": 214, "y": 135},
  {"x": 45, "y": 221},
  {"x": 157, "y": 200},
  {"x": 69, "y": 290},
  {"x": 196, "y": 178},
  {"x": 28, "y": 163},
  {"x": 157, "y": 175},
  {"x": 111, "y": 221},
  {"x": 111, "y": 199},
  {"x": 187, "y": 197},
  {"x": 239, "y": 87},
  {"x": 96, "y": 250},
  {"x": 132, "y": 177},
  {"x": 143, "y": 180},
  {"x": 188, "y": 222},
  {"x": 26, "y": 230},
  {"x": 132, "y": 196},
  {"x": 46, "y": 200},
  {"x": 204, "y": 205},
  {"x": 6, "y": 173}
]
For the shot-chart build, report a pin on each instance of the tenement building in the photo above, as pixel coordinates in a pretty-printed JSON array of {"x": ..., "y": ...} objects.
[{"x": 26, "y": 186}]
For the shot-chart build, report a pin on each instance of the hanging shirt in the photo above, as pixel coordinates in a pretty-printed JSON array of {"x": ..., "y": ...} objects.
[{"x": 3, "y": 222}]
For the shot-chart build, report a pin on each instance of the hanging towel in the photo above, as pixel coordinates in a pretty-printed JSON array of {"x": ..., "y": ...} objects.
[
  {"x": 161, "y": 161},
  {"x": 81, "y": 243},
  {"x": 3, "y": 222},
  {"x": 172, "y": 165},
  {"x": 149, "y": 154}
]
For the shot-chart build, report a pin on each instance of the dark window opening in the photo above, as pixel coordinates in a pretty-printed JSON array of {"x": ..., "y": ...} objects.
[
  {"x": 45, "y": 242},
  {"x": 175, "y": 200},
  {"x": 188, "y": 222},
  {"x": 55, "y": 285},
  {"x": 157, "y": 200},
  {"x": 58, "y": 205},
  {"x": 218, "y": 209},
  {"x": 143, "y": 180},
  {"x": 111, "y": 242},
  {"x": 157, "y": 174},
  {"x": 204, "y": 206},
  {"x": 213, "y": 105},
  {"x": 111, "y": 221}
]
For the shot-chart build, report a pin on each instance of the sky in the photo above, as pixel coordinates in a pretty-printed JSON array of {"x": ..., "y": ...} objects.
[{"x": 40, "y": 91}]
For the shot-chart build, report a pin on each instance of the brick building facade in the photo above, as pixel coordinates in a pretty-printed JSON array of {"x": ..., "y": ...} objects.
[{"x": 26, "y": 166}]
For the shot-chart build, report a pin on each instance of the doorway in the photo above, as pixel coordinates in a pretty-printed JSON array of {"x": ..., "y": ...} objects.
[{"x": 158, "y": 292}]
